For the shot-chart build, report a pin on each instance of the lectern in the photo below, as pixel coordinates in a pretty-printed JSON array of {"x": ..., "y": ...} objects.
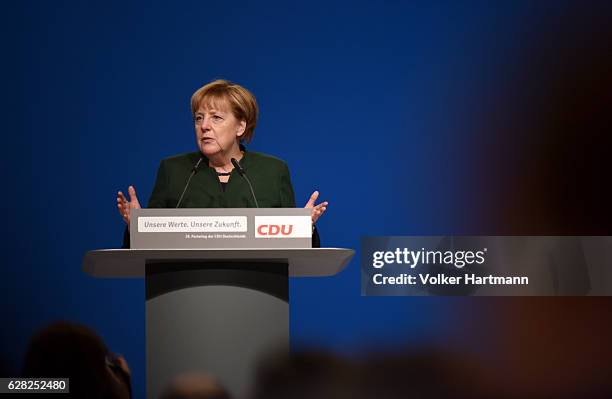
[{"x": 211, "y": 309}]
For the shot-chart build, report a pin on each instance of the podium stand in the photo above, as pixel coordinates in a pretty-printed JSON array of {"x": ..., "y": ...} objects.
[{"x": 214, "y": 310}]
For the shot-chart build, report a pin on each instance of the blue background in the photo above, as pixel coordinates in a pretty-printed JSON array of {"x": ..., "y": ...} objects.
[{"x": 376, "y": 105}]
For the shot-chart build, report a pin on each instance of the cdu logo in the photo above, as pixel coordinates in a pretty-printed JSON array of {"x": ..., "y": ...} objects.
[{"x": 275, "y": 229}]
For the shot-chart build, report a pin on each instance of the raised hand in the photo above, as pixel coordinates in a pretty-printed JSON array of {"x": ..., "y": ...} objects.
[
  {"x": 125, "y": 206},
  {"x": 317, "y": 210}
]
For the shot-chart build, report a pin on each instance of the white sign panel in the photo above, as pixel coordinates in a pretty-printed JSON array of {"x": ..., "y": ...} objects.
[
  {"x": 205, "y": 228},
  {"x": 192, "y": 224}
]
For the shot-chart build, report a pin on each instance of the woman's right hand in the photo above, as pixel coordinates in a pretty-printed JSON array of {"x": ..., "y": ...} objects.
[{"x": 125, "y": 206}]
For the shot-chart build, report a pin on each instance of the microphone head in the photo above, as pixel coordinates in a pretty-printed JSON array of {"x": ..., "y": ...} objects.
[
  {"x": 197, "y": 165},
  {"x": 237, "y": 166}
]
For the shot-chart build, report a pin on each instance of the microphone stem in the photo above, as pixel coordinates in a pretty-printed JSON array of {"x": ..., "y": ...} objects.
[
  {"x": 244, "y": 175},
  {"x": 193, "y": 172},
  {"x": 251, "y": 187}
]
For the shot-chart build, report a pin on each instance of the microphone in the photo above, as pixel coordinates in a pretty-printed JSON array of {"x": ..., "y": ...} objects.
[
  {"x": 242, "y": 173},
  {"x": 193, "y": 172}
]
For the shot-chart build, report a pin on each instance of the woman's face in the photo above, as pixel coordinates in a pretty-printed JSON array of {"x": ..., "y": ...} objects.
[{"x": 217, "y": 130}]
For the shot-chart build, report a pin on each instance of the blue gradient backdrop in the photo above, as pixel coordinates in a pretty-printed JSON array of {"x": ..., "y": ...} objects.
[{"x": 372, "y": 104}]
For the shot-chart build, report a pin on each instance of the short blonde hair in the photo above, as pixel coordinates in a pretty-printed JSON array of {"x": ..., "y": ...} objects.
[{"x": 241, "y": 102}]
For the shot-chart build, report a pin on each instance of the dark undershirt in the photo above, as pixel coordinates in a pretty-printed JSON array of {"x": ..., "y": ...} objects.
[{"x": 223, "y": 186}]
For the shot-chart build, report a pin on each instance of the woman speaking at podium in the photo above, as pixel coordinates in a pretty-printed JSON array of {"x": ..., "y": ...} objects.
[{"x": 224, "y": 116}]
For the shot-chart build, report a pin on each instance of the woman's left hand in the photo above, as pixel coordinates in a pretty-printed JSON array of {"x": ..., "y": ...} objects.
[{"x": 316, "y": 210}]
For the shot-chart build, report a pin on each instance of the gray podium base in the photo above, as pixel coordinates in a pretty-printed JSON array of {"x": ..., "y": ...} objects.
[{"x": 217, "y": 317}]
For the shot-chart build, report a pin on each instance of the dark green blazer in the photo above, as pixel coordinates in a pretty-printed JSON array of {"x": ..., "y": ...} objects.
[{"x": 269, "y": 177}]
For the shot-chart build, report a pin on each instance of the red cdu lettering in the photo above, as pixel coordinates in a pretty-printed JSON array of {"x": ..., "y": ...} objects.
[{"x": 274, "y": 229}]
